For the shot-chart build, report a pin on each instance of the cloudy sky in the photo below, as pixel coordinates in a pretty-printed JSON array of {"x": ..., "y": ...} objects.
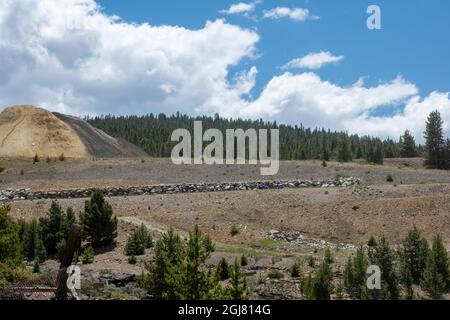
[{"x": 311, "y": 62}]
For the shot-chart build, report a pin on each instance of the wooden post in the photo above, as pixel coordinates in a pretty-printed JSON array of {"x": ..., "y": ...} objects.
[{"x": 72, "y": 247}]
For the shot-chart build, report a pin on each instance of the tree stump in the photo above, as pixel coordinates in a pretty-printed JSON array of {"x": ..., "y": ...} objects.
[{"x": 73, "y": 247}]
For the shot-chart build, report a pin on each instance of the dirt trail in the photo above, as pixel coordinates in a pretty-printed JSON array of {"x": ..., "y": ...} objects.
[{"x": 13, "y": 129}]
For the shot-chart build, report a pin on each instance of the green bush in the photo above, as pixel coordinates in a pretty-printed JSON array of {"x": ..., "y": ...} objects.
[
  {"x": 132, "y": 260},
  {"x": 274, "y": 274},
  {"x": 295, "y": 270},
  {"x": 35, "y": 159},
  {"x": 234, "y": 230},
  {"x": 138, "y": 241},
  {"x": 62, "y": 157},
  {"x": 389, "y": 178},
  {"x": 2, "y": 169},
  {"x": 311, "y": 261},
  {"x": 328, "y": 256},
  {"x": 87, "y": 257},
  {"x": 244, "y": 261},
  {"x": 98, "y": 222}
]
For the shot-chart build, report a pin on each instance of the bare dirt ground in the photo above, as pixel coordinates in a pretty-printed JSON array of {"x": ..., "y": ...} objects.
[
  {"x": 376, "y": 207},
  {"x": 338, "y": 215}
]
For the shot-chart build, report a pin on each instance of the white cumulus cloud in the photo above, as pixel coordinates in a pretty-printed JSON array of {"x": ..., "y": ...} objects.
[
  {"x": 313, "y": 61},
  {"x": 241, "y": 7},
  {"x": 296, "y": 14},
  {"x": 69, "y": 56}
]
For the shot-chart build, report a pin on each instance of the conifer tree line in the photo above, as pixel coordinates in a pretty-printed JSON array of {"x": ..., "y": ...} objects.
[
  {"x": 152, "y": 133},
  {"x": 413, "y": 265},
  {"x": 44, "y": 238}
]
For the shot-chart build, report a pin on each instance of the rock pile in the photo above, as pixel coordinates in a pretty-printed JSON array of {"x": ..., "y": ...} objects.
[
  {"x": 299, "y": 239},
  {"x": 27, "y": 194}
]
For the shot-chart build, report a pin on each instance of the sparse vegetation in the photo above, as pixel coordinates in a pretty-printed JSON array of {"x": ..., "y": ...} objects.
[
  {"x": 132, "y": 260},
  {"x": 295, "y": 270},
  {"x": 389, "y": 178},
  {"x": 234, "y": 230},
  {"x": 87, "y": 257},
  {"x": 138, "y": 241},
  {"x": 244, "y": 260},
  {"x": 274, "y": 274}
]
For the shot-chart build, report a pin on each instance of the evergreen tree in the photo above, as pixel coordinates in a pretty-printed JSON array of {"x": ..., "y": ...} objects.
[
  {"x": 52, "y": 228},
  {"x": 408, "y": 146},
  {"x": 320, "y": 286},
  {"x": 375, "y": 154},
  {"x": 440, "y": 257},
  {"x": 223, "y": 270},
  {"x": 432, "y": 280},
  {"x": 344, "y": 153},
  {"x": 138, "y": 241},
  {"x": 10, "y": 247},
  {"x": 98, "y": 222},
  {"x": 435, "y": 144},
  {"x": 152, "y": 133},
  {"x": 413, "y": 256},
  {"x": 169, "y": 252},
  {"x": 355, "y": 274},
  {"x": 33, "y": 246},
  {"x": 196, "y": 284},
  {"x": 384, "y": 257},
  {"x": 238, "y": 289}
]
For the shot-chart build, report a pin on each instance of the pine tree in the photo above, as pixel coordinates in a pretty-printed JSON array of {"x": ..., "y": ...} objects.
[
  {"x": 408, "y": 146},
  {"x": 98, "y": 221},
  {"x": 384, "y": 257},
  {"x": 33, "y": 246},
  {"x": 413, "y": 256},
  {"x": 432, "y": 281},
  {"x": 196, "y": 284},
  {"x": 138, "y": 241},
  {"x": 238, "y": 289},
  {"x": 344, "y": 153},
  {"x": 440, "y": 257},
  {"x": 375, "y": 155},
  {"x": 52, "y": 228},
  {"x": 169, "y": 252},
  {"x": 223, "y": 270},
  {"x": 10, "y": 247},
  {"x": 355, "y": 275},
  {"x": 320, "y": 286},
  {"x": 435, "y": 145}
]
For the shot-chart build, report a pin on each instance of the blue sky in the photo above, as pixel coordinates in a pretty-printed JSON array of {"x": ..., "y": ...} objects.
[
  {"x": 310, "y": 62},
  {"x": 414, "y": 40}
]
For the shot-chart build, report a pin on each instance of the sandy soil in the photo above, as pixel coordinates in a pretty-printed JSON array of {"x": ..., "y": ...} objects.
[
  {"x": 148, "y": 171},
  {"x": 26, "y": 131},
  {"x": 349, "y": 215}
]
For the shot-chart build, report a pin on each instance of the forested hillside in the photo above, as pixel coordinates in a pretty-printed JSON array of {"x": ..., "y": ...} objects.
[{"x": 152, "y": 133}]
